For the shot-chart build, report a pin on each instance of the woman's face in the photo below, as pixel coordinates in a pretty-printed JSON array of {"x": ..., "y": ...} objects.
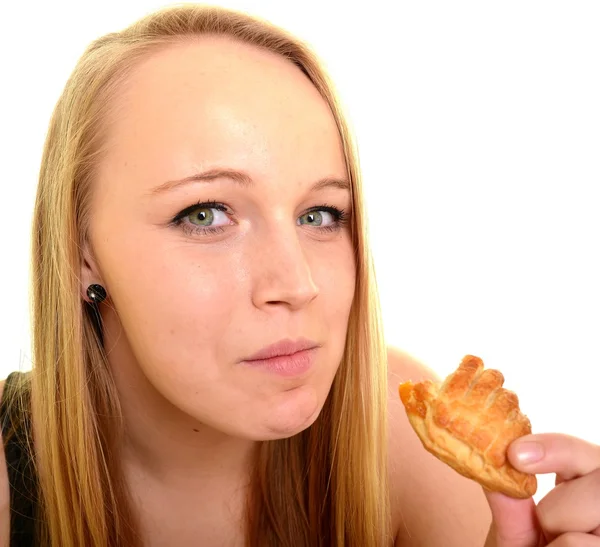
[{"x": 195, "y": 288}]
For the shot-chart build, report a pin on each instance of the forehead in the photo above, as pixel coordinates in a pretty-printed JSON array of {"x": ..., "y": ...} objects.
[{"x": 216, "y": 101}]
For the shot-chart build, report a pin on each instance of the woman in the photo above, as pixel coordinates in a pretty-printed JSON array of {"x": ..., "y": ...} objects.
[{"x": 200, "y": 210}]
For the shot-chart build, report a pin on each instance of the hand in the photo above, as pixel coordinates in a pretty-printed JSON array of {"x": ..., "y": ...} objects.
[{"x": 569, "y": 515}]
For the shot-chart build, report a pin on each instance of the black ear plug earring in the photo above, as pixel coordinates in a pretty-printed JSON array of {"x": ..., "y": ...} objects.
[{"x": 96, "y": 293}]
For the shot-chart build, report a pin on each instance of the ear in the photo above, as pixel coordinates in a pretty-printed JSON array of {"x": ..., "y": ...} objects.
[{"x": 89, "y": 273}]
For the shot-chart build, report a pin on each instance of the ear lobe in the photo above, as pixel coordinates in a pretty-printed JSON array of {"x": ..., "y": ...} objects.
[{"x": 89, "y": 272}]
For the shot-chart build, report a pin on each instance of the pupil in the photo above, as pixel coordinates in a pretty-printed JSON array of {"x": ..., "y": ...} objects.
[
  {"x": 203, "y": 216},
  {"x": 314, "y": 217}
]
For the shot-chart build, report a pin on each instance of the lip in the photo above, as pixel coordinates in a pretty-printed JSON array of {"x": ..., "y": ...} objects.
[
  {"x": 292, "y": 366},
  {"x": 285, "y": 347}
]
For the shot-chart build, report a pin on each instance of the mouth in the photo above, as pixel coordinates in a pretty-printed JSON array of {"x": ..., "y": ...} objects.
[
  {"x": 292, "y": 365},
  {"x": 282, "y": 348}
]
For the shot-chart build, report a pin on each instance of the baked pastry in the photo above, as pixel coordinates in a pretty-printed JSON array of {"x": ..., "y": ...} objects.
[{"x": 468, "y": 422}]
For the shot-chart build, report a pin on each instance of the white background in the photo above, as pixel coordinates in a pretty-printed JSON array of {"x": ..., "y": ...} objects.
[{"x": 479, "y": 133}]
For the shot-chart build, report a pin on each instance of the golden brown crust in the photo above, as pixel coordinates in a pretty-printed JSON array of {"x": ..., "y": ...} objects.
[{"x": 468, "y": 422}]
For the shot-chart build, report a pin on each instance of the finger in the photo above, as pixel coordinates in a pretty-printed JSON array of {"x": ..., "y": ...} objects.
[
  {"x": 514, "y": 521},
  {"x": 576, "y": 539},
  {"x": 567, "y": 456},
  {"x": 572, "y": 506}
]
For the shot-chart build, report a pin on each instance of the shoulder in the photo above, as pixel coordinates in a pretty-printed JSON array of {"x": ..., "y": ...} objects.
[
  {"x": 4, "y": 490},
  {"x": 431, "y": 503}
]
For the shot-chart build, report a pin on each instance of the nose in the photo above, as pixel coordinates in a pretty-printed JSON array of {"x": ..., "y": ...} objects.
[{"x": 281, "y": 271}]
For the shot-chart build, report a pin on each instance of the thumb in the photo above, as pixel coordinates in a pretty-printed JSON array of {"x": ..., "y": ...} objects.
[{"x": 514, "y": 522}]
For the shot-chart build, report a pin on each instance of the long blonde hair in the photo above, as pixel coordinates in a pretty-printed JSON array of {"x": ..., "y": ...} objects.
[{"x": 325, "y": 486}]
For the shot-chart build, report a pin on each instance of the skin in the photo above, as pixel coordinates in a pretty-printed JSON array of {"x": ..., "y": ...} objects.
[
  {"x": 184, "y": 309},
  {"x": 569, "y": 515}
]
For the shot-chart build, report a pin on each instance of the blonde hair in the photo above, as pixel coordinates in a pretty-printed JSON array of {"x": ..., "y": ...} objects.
[{"x": 325, "y": 486}]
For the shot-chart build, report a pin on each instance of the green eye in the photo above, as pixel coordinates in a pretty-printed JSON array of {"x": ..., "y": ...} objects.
[
  {"x": 204, "y": 217},
  {"x": 199, "y": 218},
  {"x": 315, "y": 218}
]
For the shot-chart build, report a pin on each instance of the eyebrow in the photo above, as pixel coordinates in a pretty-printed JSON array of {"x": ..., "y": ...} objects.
[{"x": 241, "y": 178}]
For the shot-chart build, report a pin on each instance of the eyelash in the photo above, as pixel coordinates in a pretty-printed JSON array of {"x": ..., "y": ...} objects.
[{"x": 340, "y": 218}]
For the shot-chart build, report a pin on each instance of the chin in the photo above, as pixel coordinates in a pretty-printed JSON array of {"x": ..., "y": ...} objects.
[{"x": 292, "y": 418}]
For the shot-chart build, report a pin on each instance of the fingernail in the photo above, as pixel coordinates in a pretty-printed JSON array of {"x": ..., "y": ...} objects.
[{"x": 530, "y": 452}]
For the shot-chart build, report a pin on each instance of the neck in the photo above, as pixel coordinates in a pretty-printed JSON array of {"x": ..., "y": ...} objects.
[
  {"x": 174, "y": 449},
  {"x": 168, "y": 446}
]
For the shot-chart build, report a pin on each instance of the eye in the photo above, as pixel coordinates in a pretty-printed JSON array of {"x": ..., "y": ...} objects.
[
  {"x": 318, "y": 217},
  {"x": 201, "y": 218},
  {"x": 204, "y": 216}
]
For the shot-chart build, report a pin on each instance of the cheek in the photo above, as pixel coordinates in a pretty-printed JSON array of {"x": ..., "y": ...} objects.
[
  {"x": 175, "y": 304},
  {"x": 178, "y": 318},
  {"x": 336, "y": 279},
  {"x": 184, "y": 308}
]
